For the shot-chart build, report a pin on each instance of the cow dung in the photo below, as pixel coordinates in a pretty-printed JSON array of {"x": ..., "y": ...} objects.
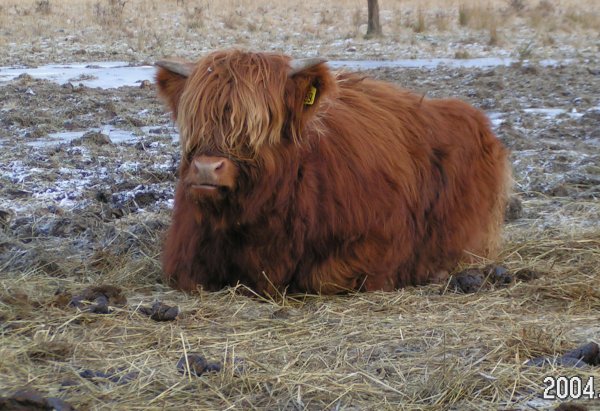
[
  {"x": 198, "y": 365},
  {"x": 582, "y": 356},
  {"x": 160, "y": 312},
  {"x": 101, "y": 297},
  {"x": 31, "y": 400}
]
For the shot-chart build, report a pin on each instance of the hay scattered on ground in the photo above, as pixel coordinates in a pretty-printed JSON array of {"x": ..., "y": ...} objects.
[{"x": 418, "y": 348}]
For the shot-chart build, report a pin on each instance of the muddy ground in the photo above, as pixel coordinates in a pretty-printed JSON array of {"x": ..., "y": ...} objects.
[
  {"x": 93, "y": 211},
  {"x": 95, "y": 196}
]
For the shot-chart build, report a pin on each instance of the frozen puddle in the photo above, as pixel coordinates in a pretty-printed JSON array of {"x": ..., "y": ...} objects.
[
  {"x": 116, "y": 136},
  {"x": 54, "y": 139},
  {"x": 119, "y": 73},
  {"x": 99, "y": 74}
]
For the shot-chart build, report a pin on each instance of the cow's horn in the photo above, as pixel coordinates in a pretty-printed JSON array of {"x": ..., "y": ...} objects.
[
  {"x": 298, "y": 65},
  {"x": 178, "y": 67}
]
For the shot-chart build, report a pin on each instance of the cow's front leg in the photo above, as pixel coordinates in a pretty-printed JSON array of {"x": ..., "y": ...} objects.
[{"x": 180, "y": 268}]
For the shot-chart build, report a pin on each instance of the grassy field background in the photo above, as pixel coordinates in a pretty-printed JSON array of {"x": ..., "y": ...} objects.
[{"x": 53, "y": 30}]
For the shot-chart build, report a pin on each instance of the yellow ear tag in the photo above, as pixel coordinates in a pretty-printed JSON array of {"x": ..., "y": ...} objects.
[{"x": 310, "y": 97}]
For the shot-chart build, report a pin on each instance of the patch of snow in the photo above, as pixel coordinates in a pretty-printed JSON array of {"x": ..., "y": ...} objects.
[
  {"x": 547, "y": 112},
  {"x": 129, "y": 166},
  {"x": 575, "y": 114},
  {"x": 496, "y": 118},
  {"x": 554, "y": 112}
]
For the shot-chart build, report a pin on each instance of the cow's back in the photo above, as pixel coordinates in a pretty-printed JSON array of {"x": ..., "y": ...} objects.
[{"x": 425, "y": 179}]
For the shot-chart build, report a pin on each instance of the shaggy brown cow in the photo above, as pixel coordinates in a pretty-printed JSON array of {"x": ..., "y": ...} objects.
[{"x": 296, "y": 177}]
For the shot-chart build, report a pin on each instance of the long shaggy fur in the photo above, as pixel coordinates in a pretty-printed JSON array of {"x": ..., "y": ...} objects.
[{"x": 370, "y": 188}]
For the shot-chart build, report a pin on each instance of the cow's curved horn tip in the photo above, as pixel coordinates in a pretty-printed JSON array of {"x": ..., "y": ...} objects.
[
  {"x": 161, "y": 63},
  {"x": 177, "y": 67},
  {"x": 317, "y": 60},
  {"x": 298, "y": 65}
]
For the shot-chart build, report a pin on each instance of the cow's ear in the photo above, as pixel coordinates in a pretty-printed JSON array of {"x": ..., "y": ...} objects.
[
  {"x": 309, "y": 82},
  {"x": 171, "y": 77}
]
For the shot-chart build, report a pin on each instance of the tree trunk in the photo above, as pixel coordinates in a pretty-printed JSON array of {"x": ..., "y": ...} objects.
[{"x": 374, "y": 27}]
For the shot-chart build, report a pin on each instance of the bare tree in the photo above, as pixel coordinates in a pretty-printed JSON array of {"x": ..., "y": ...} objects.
[{"x": 373, "y": 27}]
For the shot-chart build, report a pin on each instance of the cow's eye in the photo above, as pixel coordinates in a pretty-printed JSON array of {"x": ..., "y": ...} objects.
[{"x": 190, "y": 156}]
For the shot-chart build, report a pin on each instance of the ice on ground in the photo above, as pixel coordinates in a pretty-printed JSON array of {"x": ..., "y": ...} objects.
[
  {"x": 116, "y": 135},
  {"x": 101, "y": 74},
  {"x": 119, "y": 73}
]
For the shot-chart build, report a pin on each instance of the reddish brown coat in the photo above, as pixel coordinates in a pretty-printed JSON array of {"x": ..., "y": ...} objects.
[{"x": 370, "y": 188}]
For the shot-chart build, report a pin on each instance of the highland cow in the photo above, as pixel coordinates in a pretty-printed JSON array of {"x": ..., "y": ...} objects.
[{"x": 296, "y": 178}]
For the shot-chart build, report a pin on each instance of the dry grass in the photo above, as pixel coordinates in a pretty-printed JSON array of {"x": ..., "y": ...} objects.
[
  {"x": 132, "y": 29},
  {"x": 419, "y": 26},
  {"x": 478, "y": 16},
  {"x": 110, "y": 13},
  {"x": 418, "y": 348},
  {"x": 84, "y": 13}
]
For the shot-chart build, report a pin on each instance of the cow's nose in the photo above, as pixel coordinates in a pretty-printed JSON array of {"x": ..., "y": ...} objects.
[
  {"x": 208, "y": 171},
  {"x": 206, "y": 165}
]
